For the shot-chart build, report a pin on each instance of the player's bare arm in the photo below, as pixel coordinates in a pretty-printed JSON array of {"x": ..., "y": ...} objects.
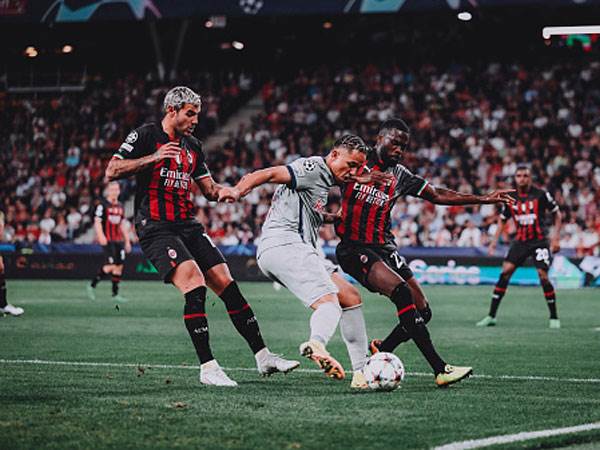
[
  {"x": 555, "y": 238},
  {"x": 125, "y": 231},
  {"x": 99, "y": 231},
  {"x": 123, "y": 168},
  {"x": 494, "y": 241},
  {"x": 210, "y": 188},
  {"x": 277, "y": 174},
  {"x": 442, "y": 196},
  {"x": 375, "y": 176}
]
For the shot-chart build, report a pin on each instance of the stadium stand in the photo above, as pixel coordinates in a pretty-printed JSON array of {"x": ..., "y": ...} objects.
[
  {"x": 54, "y": 149},
  {"x": 471, "y": 126}
]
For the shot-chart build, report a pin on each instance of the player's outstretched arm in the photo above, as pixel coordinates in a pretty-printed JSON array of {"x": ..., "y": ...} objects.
[
  {"x": 277, "y": 174},
  {"x": 122, "y": 168},
  {"x": 210, "y": 188},
  {"x": 441, "y": 196}
]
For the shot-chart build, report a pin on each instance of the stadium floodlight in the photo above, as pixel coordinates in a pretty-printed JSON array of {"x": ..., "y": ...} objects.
[
  {"x": 465, "y": 16},
  {"x": 548, "y": 32},
  {"x": 31, "y": 52},
  {"x": 237, "y": 45},
  {"x": 67, "y": 49}
]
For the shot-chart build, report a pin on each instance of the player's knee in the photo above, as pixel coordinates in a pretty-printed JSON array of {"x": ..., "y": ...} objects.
[
  {"x": 543, "y": 276},
  {"x": 349, "y": 297},
  {"x": 187, "y": 276},
  {"x": 402, "y": 295}
]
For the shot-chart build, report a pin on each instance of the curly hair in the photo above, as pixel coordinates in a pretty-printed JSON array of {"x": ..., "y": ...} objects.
[
  {"x": 178, "y": 96},
  {"x": 352, "y": 142}
]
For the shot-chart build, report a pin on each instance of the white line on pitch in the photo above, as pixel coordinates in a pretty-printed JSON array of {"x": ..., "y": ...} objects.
[
  {"x": 252, "y": 369},
  {"x": 518, "y": 437},
  {"x": 583, "y": 29}
]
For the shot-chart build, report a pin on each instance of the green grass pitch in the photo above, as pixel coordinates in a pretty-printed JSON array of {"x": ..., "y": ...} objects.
[{"x": 527, "y": 377}]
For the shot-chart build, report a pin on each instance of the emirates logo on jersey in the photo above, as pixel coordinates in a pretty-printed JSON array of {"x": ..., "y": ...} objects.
[
  {"x": 370, "y": 194},
  {"x": 175, "y": 178}
]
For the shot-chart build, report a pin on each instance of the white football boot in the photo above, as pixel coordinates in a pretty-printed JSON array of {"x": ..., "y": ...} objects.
[
  {"x": 212, "y": 374},
  {"x": 358, "y": 380},
  {"x": 12, "y": 310},
  {"x": 269, "y": 363}
]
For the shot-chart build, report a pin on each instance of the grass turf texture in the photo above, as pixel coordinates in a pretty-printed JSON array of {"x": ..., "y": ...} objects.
[{"x": 61, "y": 406}]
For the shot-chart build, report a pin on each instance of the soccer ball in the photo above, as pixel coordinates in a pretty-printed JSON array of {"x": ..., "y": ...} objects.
[{"x": 383, "y": 371}]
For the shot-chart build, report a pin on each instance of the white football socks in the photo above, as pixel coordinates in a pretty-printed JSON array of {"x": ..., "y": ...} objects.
[
  {"x": 324, "y": 320},
  {"x": 354, "y": 334}
]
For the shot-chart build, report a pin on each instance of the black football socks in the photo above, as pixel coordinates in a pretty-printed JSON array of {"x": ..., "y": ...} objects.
[
  {"x": 400, "y": 335},
  {"x": 550, "y": 298},
  {"x": 3, "y": 301},
  {"x": 242, "y": 316},
  {"x": 194, "y": 316},
  {"x": 412, "y": 322},
  {"x": 99, "y": 277},
  {"x": 499, "y": 291},
  {"x": 115, "y": 284}
]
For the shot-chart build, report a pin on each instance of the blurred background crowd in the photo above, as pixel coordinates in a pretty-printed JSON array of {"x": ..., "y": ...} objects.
[{"x": 471, "y": 125}]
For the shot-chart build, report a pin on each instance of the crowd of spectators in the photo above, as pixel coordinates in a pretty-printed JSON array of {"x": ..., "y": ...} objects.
[
  {"x": 54, "y": 147},
  {"x": 470, "y": 126}
]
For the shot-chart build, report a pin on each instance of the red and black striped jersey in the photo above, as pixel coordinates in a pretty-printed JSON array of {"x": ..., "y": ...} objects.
[
  {"x": 367, "y": 208},
  {"x": 529, "y": 213},
  {"x": 111, "y": 215},
  {"x": 164, "y": 191}
]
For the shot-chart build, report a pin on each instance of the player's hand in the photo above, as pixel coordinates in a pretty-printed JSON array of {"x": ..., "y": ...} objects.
[
  {"x": 127, "y": 247},
  {"x": 492, "y": 249},
  {"x": 102, "y": 240},
  {"x": 170, "y": 150},
  {"x": 500, "y": 196},
  {"x": 555, "y": 246},
  {"x": 229, "y": 194},
  {"x": 376, "y": 177}
]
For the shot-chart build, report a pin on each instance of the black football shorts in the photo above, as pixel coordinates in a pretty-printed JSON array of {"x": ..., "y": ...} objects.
[
  {"x": 115, "y": 253},
  {"x": 168, "y": 244},
  {"x": 357, "y": 260},
  {"x": 538, "y": 250}
]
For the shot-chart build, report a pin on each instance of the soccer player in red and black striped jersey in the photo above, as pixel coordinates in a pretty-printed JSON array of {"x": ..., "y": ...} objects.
[
  {"x": 113, "y": 235},
  {"x": 531, "y": 206},
  {"x": 367, "y": 250},
  {"x": 166, "y": 159}
]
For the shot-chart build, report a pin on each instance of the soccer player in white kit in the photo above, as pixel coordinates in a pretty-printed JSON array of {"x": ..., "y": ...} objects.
[{"x": 288, "y": 250}]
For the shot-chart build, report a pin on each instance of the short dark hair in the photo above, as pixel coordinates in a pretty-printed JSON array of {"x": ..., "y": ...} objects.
[
  {"x": 352, "y": 142},
  {"x": 394, "y": 123},
  {"x": 522, "y": 167}
]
